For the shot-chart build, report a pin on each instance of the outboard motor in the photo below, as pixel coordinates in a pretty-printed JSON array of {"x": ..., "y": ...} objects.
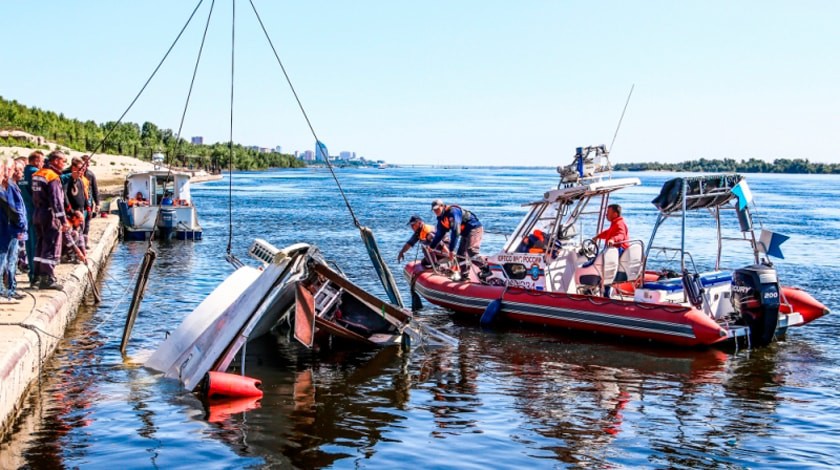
[
  {"x": 168, "y": 222},
  {"x": 755, "y": 294}
]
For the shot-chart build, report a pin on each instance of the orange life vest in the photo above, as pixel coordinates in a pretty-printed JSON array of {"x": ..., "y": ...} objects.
[
  {"x": 86, "y": 185},
  {"x": 538, "y": 242},
  {"x": 425, "y": 231}
]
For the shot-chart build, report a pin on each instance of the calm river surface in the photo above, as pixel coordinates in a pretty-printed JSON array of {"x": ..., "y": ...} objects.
[{"x": 504, "y": 398}]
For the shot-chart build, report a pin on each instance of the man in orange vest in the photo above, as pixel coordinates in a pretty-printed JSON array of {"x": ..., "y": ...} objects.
[
  {"x": 421, "y": 232},
  {"x": 49, "y": 219}
]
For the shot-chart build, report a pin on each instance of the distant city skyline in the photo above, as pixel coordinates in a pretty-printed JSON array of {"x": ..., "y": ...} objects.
[
  {"x": 305, "y": 155},
  {"x": 468, "y": 83}
]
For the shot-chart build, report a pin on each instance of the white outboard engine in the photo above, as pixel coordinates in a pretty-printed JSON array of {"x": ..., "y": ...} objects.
[{"x": 755, "y": 295}]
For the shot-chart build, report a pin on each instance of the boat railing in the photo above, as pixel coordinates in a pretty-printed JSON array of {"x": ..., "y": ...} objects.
[
  {"x": 326, "y": 298},
  {"x": 441, "y": 264},
  {"x": 437, "y": 260}
]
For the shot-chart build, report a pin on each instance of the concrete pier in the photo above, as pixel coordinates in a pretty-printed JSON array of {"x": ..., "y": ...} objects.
[{"x": 31, "y": 328}]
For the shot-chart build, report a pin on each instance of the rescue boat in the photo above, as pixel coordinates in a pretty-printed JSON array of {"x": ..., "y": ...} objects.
[{"x": 573, "y": 282}]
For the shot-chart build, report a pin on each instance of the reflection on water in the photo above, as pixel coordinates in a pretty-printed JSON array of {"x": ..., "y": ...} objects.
[{"x": 504, "y": 398}]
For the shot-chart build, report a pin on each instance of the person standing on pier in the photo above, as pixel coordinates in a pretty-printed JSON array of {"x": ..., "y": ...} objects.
[
  {"x": 14, "y": 230},
  {"x": 76, "y": 190},
  {"x": 91, "y": 188},
  {"x": 36, "y": 162},
  {"x": 50, "y": 219}
]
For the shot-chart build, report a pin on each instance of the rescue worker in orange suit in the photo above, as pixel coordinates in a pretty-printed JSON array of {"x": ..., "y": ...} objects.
[
  {"x": 49, "y": 219},
  {"x": 420, "y": 232},
  {"x": 533, "y": 243},
  {"x": 617, "y": 234},
  {"x": 465, "y": 231}
]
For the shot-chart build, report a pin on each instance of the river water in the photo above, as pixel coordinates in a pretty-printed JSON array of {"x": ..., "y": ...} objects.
[{"x": 504, "y": 398}]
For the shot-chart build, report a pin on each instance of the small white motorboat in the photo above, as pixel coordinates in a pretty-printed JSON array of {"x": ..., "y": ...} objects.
[{"x": 158, "y": 201}]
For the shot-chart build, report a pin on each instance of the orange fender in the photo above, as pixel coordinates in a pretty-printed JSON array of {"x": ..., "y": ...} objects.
[{"x": 231, "y": 385}]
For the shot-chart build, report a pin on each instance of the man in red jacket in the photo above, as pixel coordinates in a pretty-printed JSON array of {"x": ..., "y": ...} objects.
[{"x": 617, "y": 235}]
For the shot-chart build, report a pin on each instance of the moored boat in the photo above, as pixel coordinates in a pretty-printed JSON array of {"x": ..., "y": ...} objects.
[
  {"x": 158, "y": 202},
  {"x": 572, "y": 282}
]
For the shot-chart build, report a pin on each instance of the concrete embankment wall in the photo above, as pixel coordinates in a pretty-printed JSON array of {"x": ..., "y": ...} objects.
[{"x": 31, "y": 328}]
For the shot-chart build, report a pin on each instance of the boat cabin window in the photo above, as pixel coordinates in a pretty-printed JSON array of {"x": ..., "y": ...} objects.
[
  {"x": 567, "y": 232},
  {"x": 162, "y": 187},
  {"x": 541, "y": 217}
]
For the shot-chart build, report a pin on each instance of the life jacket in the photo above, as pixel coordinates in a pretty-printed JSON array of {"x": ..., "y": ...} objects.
[
  {"x": 537, "y": 240},
  {"x": 424, "y": 232},
  {"x": 447, "y": 213},
  {"x": 86, "y": 184}
]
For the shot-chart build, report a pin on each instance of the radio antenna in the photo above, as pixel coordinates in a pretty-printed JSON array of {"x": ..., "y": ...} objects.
[{"x": 621, "y": 118}]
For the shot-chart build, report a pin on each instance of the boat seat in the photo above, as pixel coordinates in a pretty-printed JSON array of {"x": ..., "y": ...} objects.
[
  {"x": 630, "y": 263},
  {"x": 608, "y": 265}
]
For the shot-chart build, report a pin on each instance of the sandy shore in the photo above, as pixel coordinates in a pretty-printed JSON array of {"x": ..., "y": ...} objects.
[{"x": 110, "y": 170}]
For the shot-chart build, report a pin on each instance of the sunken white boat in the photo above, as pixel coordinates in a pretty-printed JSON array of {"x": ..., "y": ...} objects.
[{"x": 296, "y": 287}]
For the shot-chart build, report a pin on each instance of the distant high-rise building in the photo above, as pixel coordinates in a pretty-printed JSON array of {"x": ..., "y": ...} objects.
[
  {"x": 197, "y": 140},
  {"x": 308, "y": 155},
  {"x": 345, "y": 155}
]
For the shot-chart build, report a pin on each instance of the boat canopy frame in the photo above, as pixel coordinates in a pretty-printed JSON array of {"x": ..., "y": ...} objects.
[
  {"x": 681, "y": 196},
  {"x": 569, "y": 205}
]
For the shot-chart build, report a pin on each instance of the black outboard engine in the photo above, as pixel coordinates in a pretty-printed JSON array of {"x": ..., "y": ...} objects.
[{"x": 755, "y": 294}]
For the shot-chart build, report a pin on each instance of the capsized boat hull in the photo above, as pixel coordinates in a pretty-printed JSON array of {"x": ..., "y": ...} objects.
[{"x": 665, "y": 323}]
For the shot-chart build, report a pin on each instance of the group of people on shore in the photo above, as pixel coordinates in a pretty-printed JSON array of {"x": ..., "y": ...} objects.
[
  {"x": 458, "y": 227},
  {"x": 45, "y": 217}
]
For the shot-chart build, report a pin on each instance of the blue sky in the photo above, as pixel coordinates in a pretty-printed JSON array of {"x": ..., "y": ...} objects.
[{"x": 440, "y": 82}]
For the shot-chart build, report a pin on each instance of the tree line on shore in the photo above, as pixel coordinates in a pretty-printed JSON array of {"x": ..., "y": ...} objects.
[
  {"x": 753, "y": 165},
  {"x": 128, "y": 138}
]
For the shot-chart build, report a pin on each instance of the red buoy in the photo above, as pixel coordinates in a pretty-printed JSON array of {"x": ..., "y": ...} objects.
[{"x": 222, "y": 384}]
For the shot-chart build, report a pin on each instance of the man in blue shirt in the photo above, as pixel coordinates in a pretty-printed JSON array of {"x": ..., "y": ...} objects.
[
  {"x": 464, "y": 230},
  {"x": 13, "y": 230}
]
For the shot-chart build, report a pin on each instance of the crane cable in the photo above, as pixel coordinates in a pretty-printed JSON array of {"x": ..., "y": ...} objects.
[
  {"x": 229, "y": 256},
  {"x": 320, "y": 145},
  {"x": 379, "y": 265}
]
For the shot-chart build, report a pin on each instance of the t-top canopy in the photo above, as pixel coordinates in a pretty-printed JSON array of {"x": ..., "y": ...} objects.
[{"x": 700, "y": 192}]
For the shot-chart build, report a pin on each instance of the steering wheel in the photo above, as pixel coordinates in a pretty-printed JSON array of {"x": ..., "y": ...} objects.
[{"x": 589, "y": 250}]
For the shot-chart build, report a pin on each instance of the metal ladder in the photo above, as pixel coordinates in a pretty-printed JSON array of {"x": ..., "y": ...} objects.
[{"x": 326, "y": 297}]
